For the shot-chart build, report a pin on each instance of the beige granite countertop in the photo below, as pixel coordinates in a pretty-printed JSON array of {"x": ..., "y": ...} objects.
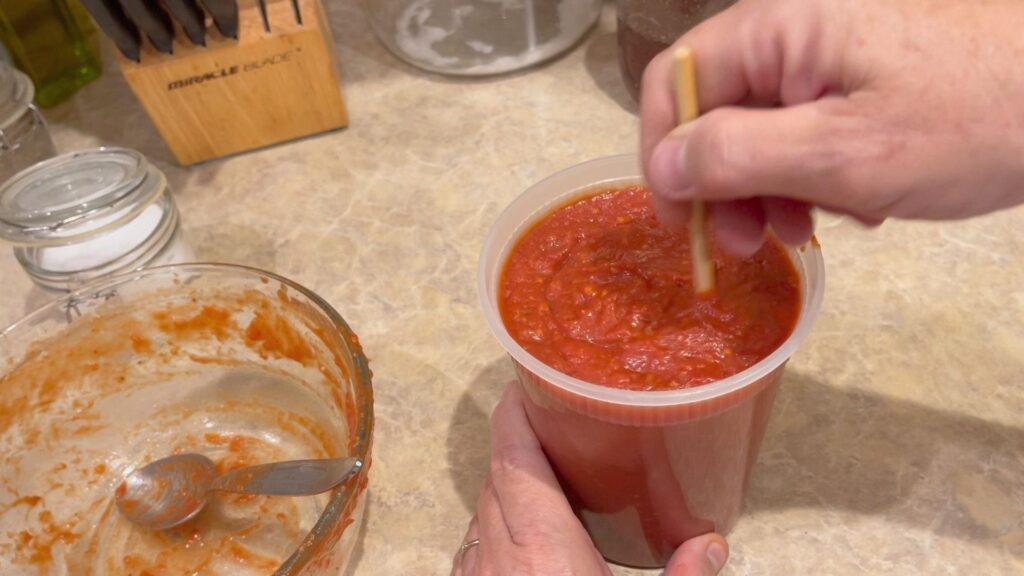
[{"x": 897, "y": 442}]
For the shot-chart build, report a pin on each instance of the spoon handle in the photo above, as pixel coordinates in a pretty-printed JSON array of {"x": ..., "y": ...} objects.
[{"x": 293, "y": 478}]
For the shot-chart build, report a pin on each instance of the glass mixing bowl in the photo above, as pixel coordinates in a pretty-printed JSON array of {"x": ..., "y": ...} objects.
[{"x": 232, "y": 362}]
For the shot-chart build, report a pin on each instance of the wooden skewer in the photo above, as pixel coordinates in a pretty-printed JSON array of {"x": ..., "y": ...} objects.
[{"x": 687, "y": 110}]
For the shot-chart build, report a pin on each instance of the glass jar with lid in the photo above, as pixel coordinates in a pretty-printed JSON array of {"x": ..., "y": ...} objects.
[
  {"x": 90, "y": 214},
  {"x": 480, "y": 37},
  {"x": 24, "y": 139}
]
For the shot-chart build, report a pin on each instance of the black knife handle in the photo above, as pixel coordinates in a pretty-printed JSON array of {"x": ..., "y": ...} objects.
[
  {"x": 191, "y": 18},
  {"x": 225, "y": 16},
  {"x": 112, "y": 20},
  {"x": 153, "y": 21}
]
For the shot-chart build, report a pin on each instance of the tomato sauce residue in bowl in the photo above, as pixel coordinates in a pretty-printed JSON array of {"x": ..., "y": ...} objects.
[
  {"x": 243, "y": 377},
  {"x": 601, "y": 291}
]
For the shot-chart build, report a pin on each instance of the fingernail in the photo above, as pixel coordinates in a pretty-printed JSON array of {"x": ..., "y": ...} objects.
[{"x": 717, "y": 555}]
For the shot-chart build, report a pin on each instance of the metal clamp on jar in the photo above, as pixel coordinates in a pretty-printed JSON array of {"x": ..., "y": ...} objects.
[
  {"x": 23, "y": 136},
  {"x": 90, "y": 214}
]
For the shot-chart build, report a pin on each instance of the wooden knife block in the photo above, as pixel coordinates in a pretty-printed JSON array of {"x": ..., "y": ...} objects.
[{"x": 236, "y": 95}]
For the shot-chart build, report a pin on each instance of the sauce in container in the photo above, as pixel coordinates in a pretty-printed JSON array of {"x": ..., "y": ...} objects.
[{"x": 601, "y": 291}]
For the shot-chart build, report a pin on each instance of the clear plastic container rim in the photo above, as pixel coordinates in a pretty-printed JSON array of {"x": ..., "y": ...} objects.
[{"x": 538, "y": 201}]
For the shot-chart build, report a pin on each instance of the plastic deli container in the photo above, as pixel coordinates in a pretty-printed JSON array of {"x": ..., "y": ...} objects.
[{"x": 644, "y": 471}]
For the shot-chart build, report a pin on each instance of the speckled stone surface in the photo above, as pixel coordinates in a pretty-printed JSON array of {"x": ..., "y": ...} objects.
[{"x": 897, "y": 443}]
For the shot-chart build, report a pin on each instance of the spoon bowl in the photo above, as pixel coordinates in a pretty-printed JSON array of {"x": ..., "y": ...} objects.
[{"x": 166, "y": 492}]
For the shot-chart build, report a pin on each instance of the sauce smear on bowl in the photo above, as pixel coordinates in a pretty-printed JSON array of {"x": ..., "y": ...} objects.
[{"x": 601, "y": 291}]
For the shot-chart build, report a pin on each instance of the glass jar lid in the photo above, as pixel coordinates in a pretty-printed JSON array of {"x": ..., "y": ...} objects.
[
  {"x": 16, "y": 93},
  {"x": 75, "y": 196}
]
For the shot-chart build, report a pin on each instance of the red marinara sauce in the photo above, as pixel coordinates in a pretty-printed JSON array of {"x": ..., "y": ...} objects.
[{"x": 601, "y": 291}]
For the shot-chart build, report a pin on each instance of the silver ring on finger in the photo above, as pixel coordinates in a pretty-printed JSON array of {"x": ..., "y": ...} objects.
[{"x": 466, "y": 546}]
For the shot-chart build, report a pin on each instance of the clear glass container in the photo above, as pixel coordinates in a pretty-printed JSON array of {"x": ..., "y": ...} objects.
[
  {"x": 646, "y": 27},
  {"x": 90, "y": 214},
  {"x": 480, "y": 37},
  {"x": 238, "y": 364},
  {"x": 24, "y": 139}
]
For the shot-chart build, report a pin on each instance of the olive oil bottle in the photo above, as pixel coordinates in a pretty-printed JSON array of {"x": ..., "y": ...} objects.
[{"x": 54, "y": 42}]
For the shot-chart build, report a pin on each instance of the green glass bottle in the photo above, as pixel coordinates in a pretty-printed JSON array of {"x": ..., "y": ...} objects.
[{"x": 54, "y": 42}]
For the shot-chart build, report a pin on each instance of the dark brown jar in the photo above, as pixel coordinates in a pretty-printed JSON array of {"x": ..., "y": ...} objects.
[{"x": 646, "y": 27}]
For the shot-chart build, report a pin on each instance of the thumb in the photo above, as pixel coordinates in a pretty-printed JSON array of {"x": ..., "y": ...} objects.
[
  {"x": 701, "y": 556},
  {"x": 819, "y": 152}
]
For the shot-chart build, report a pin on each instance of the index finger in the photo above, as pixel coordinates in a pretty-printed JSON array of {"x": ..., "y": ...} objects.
[
  {"x": 756, "y": 52},
  {"x": 531, "y": 499},
  {"x": 721, "y": 80}
]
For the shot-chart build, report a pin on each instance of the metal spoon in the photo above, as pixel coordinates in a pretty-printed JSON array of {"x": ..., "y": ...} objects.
[{"x": 170, "y": 491}]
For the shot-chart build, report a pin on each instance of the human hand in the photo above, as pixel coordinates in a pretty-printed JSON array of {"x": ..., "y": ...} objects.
[
  {"x": 871, "y": 108},
  {"x": 524, "y": 523}
]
